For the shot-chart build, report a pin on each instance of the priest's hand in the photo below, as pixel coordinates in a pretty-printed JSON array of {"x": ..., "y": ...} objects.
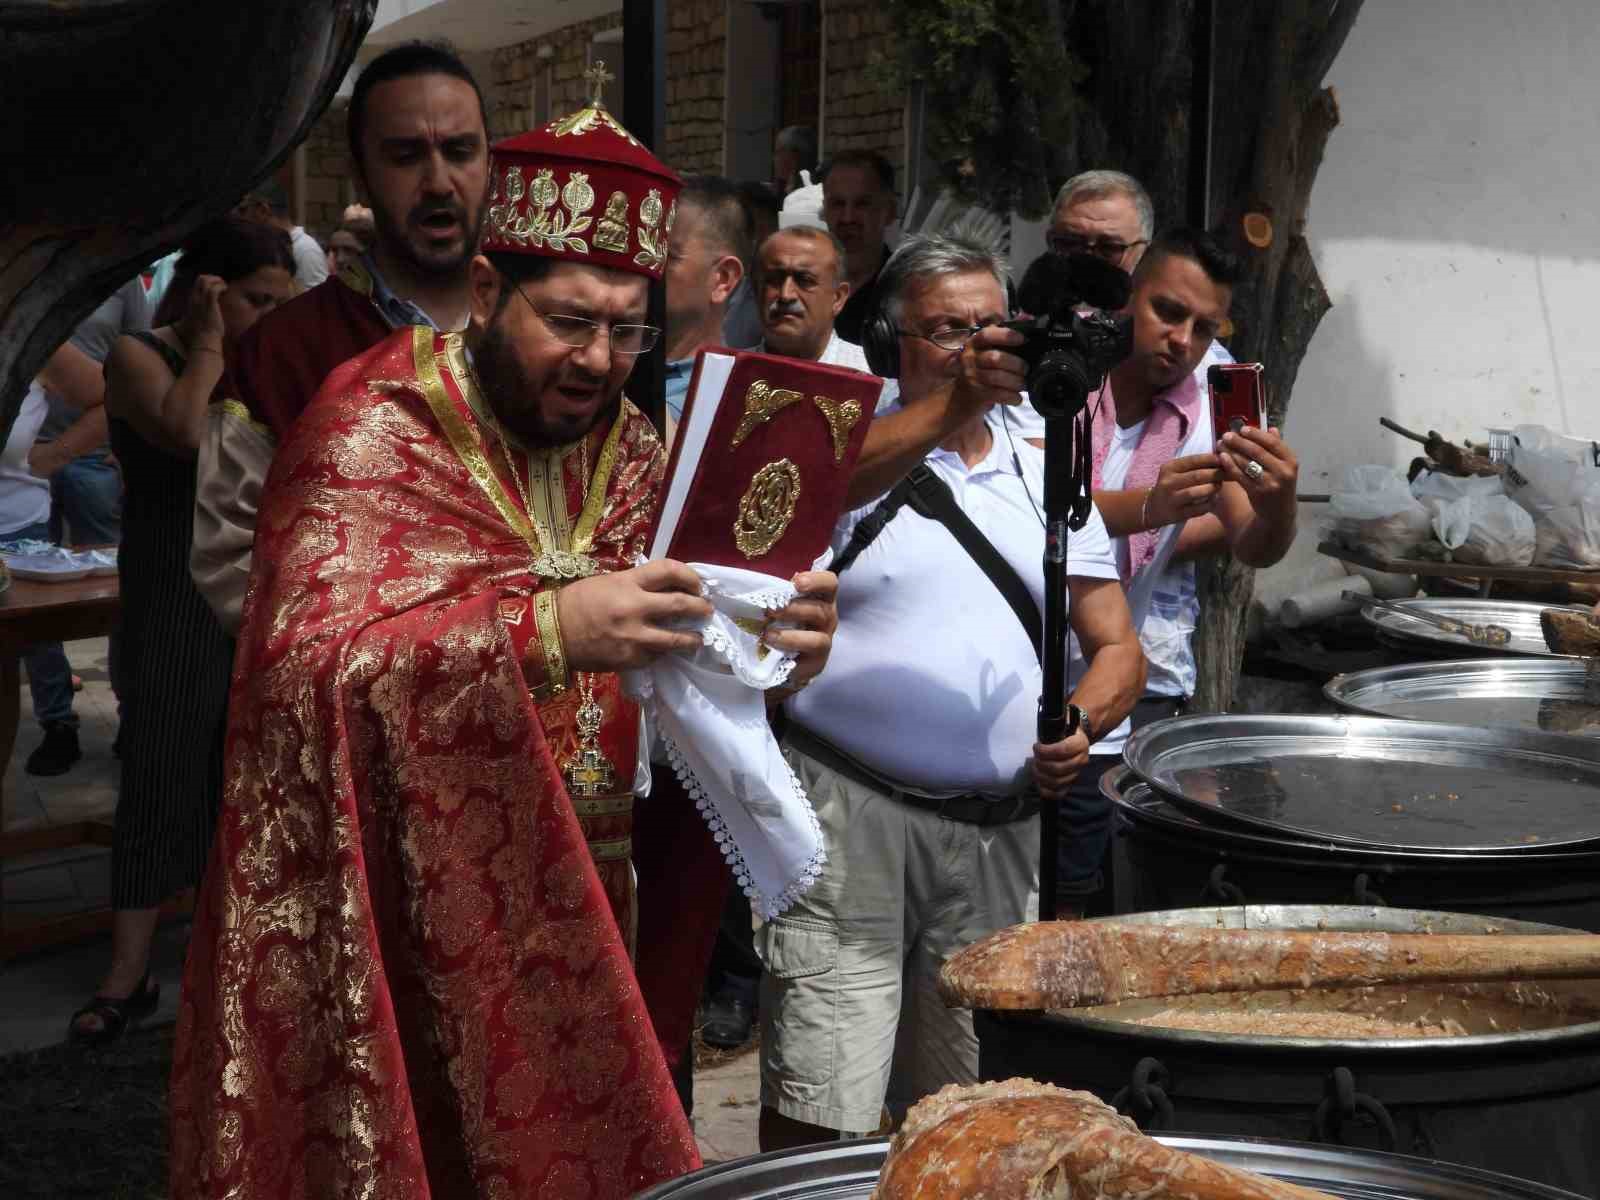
[
  {"x": 612, "y": 622},
  {"x": 1055, "y": 766},
  {"x": 805, "y": 626}
]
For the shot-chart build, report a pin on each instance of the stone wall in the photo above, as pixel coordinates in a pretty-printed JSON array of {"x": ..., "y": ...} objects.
[
  {"x": 857, "y": 114},
  {"x": 512, "y": 85},
  {"x": 329, "y": 181},
  {"x": 696, "y": 62}
]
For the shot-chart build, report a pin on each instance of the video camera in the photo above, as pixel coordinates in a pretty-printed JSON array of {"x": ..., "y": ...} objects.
[{"x": 1069, "y": 352}]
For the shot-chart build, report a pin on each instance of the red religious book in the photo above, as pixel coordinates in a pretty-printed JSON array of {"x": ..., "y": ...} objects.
[{"x": 763, "y": 454}]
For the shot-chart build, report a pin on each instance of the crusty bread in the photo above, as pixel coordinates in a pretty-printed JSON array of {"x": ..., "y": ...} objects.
[{"x": 1021, "y": 1140}]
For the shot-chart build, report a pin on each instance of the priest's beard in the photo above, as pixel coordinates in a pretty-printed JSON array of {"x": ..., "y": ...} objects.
[{"x": 514, "y": 397}]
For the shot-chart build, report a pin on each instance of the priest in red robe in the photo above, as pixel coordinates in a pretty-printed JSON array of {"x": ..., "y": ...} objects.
[{"x": 410, "y": 969}]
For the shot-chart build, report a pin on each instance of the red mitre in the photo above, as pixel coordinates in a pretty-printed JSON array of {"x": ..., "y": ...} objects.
[{"x": 545, "y": 185}]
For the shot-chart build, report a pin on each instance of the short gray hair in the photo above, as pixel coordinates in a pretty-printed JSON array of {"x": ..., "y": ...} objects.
[
  {"x": 810, "y": 233},
  {"x": 1091, "y": 185},
  {"x": 957, "y": 251}
]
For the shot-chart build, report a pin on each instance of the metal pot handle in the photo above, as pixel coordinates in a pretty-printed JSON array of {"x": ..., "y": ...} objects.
[
  {"x": 1220, "y": 889},
  {"x": 1145, "y": 1096},
  {"x": 1343, "y": 1103}
]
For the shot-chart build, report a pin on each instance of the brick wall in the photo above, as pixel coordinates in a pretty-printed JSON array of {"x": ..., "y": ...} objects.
[
  {"x": 330, "y": 184},
  {"x": 858, "y": 115},
  {"x": 510, "y": 89},
  {"x": 696, "y": 50}
]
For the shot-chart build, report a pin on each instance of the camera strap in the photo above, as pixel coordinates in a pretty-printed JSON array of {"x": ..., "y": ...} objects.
[{"x": 929, "y": 496}]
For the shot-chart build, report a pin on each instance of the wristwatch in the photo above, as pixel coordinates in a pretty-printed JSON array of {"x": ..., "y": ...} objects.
[{"x": 1082, "y": 716}]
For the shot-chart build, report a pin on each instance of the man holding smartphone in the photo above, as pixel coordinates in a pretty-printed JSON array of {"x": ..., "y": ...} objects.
[{"x": 1170, "y": 492}]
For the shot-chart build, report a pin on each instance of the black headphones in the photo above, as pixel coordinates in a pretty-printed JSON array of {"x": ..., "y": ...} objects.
[{"x": 880, "y": 341}]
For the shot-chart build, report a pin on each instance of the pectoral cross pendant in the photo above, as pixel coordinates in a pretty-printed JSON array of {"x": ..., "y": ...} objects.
[{"x": 588, "y": 772}]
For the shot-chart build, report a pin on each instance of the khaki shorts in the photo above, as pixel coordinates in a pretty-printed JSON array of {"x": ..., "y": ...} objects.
[{"x": 850, "y": 1015}]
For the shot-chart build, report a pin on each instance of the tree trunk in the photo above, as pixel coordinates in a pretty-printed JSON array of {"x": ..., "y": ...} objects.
[{"x": 1271, "y": 122}]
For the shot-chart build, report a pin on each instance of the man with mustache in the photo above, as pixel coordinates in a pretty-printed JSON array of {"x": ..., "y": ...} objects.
[
  {"x": 420, "y": 149},
  {"x": 800, "y": 290}
]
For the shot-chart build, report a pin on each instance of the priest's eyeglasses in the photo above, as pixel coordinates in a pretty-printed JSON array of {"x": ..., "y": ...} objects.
[{"x": 579, "y": 332}]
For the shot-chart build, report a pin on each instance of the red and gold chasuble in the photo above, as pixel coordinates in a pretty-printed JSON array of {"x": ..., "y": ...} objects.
[{"x": 405, "y": 977}]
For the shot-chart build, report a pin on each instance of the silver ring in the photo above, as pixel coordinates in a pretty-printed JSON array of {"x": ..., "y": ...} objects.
[{"x": 1254, "y": 469}]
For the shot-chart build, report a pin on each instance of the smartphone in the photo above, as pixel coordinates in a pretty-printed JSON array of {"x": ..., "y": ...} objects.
[{"x": 1238, "y": 397}]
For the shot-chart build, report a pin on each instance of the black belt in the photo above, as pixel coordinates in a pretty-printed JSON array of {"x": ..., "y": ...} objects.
[{"x": 970, "y": 809}]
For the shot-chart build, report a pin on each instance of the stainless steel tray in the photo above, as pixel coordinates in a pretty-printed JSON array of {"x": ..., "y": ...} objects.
[
  {"x": 1552, "y": 695},
  {"x": 1378, "y": 782},
  {"x": 848, "y": 1170},
  {"x": 1520, "y": 617}
]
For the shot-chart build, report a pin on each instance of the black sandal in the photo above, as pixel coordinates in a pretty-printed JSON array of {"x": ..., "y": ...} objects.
[{"x": 115, "y": 1014}]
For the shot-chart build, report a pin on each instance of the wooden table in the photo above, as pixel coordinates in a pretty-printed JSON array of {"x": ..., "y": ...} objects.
[
  {"x": 46, "y": 612},
  {"x": 1485, "y": 577}
]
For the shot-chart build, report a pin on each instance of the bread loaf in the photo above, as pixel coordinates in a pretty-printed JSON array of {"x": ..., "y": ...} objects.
[{"x": 1021, "y": 1140}]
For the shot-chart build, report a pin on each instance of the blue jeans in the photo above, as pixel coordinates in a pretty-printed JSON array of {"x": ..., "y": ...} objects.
[
  {"x": 49, "y": 673},
  {"x": 86, "y": 507},
  {"x": 86, "y": 501}
]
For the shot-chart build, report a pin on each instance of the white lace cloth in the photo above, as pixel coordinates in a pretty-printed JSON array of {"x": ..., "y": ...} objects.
[{"x": 708, "y": 710}]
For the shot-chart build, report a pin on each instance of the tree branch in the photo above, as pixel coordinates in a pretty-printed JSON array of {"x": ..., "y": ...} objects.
[{"x": 1338, "y": 28}]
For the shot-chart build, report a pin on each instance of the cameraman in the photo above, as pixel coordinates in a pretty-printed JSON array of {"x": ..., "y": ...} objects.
[
  {"x": 917, "y": 744},
  {"x": 1168, "y": 497}
]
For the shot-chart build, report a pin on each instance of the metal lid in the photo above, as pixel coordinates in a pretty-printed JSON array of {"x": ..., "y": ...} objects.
[
  {"x": 1518, "y": 616},
  {"x": 1375, "y": 782},
  {"x": 1552, "y": 695},
  {"x": 845, "y": 1170},
  {"x": 1142, "y": 804}
]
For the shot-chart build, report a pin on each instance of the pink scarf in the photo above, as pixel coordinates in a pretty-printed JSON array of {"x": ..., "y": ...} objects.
[{"x": 1172, "y": 415}]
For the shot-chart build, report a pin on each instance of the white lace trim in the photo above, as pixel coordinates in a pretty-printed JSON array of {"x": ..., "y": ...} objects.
[
  {"x": 768, "y": 906},
  {"x": 726, "y": 648}
]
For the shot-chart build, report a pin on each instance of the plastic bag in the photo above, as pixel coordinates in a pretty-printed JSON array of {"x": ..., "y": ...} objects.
[
  {"x": 1562, "y": 495},
  {"x": 1435, "y": 489},
  {"x": 1487, "y": 530},
  {"x": 1541, "y": 439},
  {"x": 1374, "y": 511}
]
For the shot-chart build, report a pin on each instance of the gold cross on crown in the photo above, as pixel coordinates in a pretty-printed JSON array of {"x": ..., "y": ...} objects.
[{"x": 598, "y": 77}]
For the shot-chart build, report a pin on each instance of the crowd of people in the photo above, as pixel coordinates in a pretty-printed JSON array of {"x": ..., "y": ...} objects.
[{"x": 394, "y": 490}]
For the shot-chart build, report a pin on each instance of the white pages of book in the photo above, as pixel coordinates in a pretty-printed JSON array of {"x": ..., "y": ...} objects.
[{"x": 711, "y": 380}]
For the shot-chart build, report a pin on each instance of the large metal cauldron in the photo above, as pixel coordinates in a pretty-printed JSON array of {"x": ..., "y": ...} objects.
[
  {"x": 1525, "y": 1103},
  {"x": 847, "y": 1171},
  {"x": 1162, "y": 858}
]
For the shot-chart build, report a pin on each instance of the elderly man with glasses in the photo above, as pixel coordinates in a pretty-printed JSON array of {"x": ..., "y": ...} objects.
[{"x": 917, "y": 745}]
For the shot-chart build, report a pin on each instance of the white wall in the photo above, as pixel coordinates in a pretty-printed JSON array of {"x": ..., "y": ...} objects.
[{"x": 1454, "y": 224}]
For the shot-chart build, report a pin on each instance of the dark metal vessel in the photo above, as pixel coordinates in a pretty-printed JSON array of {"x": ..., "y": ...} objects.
[
  {"x": 1523, "y": 1099},
  {"x": 1164, "y": 858}
]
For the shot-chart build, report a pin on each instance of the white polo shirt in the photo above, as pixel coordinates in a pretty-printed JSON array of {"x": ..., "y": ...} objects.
[
  {"x": 932, "y": 681},
  {"x": 840, "y": 353}
]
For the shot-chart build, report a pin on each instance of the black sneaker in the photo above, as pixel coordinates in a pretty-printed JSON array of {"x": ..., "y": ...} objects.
[{"x": 56, "y": 754}]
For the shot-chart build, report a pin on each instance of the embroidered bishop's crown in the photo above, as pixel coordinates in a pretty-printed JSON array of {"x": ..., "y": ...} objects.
[{"x": 545, "y": 186}]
